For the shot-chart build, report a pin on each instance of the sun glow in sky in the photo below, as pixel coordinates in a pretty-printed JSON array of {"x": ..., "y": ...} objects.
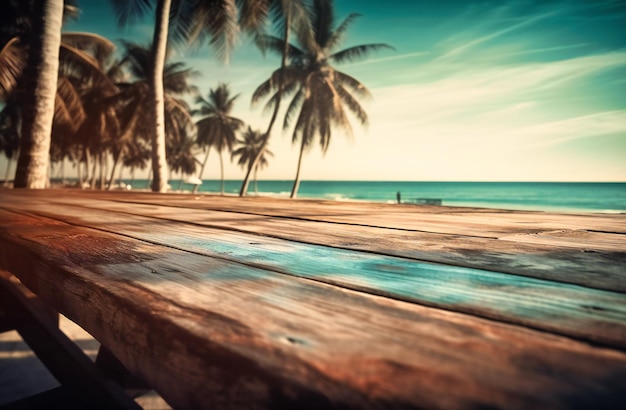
[{"x": 474, "y": 90}]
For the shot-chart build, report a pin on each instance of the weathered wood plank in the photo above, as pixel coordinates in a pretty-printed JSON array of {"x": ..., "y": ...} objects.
[
  {"x": 438, "y": 219},
  {"x": 587, "y": 314},
  {"x": 593, "y": 259},
  {"x": 454, "y": 220},
  {"x": 211, "y": 333},
  {"x": 596, "y": 260}
]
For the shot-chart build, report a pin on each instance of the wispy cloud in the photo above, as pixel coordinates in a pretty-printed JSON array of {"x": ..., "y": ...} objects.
[
  {"x": 545, "y": 49},
  {"x": 499, "y": 110},
  {"x": 471, "y": 86},
  {"x": 559, "y": 132},
  {"x": 477, "y": 41},
  {"x": 390, "y": 58}
]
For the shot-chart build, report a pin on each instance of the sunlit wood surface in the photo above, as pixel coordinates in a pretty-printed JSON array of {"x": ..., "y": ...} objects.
[{"x": 223, "y": 302}]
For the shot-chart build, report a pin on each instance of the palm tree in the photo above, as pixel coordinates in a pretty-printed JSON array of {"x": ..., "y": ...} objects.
[
  {"x": 252, "y": 146},
  {"x": 181, "y": 155},
  {"x": 137, "y": 156},
  {"x": 287, "y": 15},
  {"x": 135, "y": 97},
  {"x": 192, "y": 21},
  {"x": 321, "y": 93},
  {"x": 100, "y": 130},
  {"x": 75, "y": 61},
  {"x": 40, "y": 80},
  {"x": 217, "y": 127}
]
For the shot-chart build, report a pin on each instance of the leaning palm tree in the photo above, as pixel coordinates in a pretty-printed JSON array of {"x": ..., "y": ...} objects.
[
  {"x": 252, "y": 146},
  {"x": 216, "y": 128},
  {"x": 288, "y": 16},
  {"x": 321, "y": 93}
]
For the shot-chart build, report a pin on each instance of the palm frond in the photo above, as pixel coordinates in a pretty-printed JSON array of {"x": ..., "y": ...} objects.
[
  {"x": 177, "y": 81},
  {"x": 322, "y": 18},
  {"x": 278, "y": 95},
  {"x": 181, "y": 21},
  {"x": 97, "y": 46},
  {"x": 70, "y": 11},
  {"x": 338, "y": 35},
  {"x": 355, "y": 85},
  {"x": 68, "y": 107},
  {"x": 12, "y": 63},
  {"x": 302, "y": 129},
  {"x": 297, "y": 12},
  {"x": 217, "y": 22},
  {"x": 80, "y": 65},
  {"x": 130, "y": 11},
  {"x": 357, "y": 52},
  {"x": 261, "y": 91},
  {"x": 137, "y": 59},
  {"x": 9, "y": 129},
  {"x": 277, "y": 45},
  {"x": 282, "y": 78},
  {"x": 352, "y": 104},
  {"x": 179, "y": 108},
  {"x": 293, "y": 106},
  {"x": 266, "y": 42},
  {"x": 253, "y": 14}
]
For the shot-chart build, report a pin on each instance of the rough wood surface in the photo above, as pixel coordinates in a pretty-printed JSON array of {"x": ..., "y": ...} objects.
[
  {"x": 208, "y": 313},
  {"x": 581, "y": 256},
  {"x": 587, "y": 314}
]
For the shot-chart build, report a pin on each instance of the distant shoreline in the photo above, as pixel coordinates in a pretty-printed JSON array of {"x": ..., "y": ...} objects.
[{"x": 560, "y": 197}]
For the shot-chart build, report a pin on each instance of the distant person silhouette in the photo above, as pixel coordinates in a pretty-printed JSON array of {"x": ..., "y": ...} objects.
[{"x": 399, "y": 197}]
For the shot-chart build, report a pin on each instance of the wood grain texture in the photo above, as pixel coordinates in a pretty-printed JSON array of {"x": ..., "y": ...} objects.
[
  {"x": 583, "y": 257},
  {"x": 207, "y": 333},
  {"x": 238, "y": 306},
  {"x": 587, "y": 314}
]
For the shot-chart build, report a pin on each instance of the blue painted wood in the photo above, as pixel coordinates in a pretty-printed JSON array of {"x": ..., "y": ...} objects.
[{"x": 588, "y": 314}]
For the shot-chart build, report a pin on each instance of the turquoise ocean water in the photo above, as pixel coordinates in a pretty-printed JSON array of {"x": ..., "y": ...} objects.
[{"x": 541, "y": 196}]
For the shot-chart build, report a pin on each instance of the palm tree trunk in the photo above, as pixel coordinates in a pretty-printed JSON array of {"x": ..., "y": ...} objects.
[
  {"x": 206, "y": 159},
  {"x": 256, "y": 180},
  {"x": 119, "y": 177},
  {"x": 116, "y": 160},
  {"x": 283, "y": 63},
  {"x": 63, "y": 181},
  {"x": 222, "y": 170},
  {"x": 6, "y": 173},
  {"x": 93, "y": 173},
  {"x": 296, "y": 183},
  {"x": 102, "y": 170},
  {"x": 41, "y": 76},
  {"x": 157, "y": 99},
  {"x": 79, "y": 170},
  {"x": 87, "y": 161}
]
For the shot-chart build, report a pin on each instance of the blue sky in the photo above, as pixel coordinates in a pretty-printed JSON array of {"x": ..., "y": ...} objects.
[{"x": 474, "y": 90}]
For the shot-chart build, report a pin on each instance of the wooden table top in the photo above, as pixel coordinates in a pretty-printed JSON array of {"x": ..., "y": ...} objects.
[{"x": 232, "y": 302}]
